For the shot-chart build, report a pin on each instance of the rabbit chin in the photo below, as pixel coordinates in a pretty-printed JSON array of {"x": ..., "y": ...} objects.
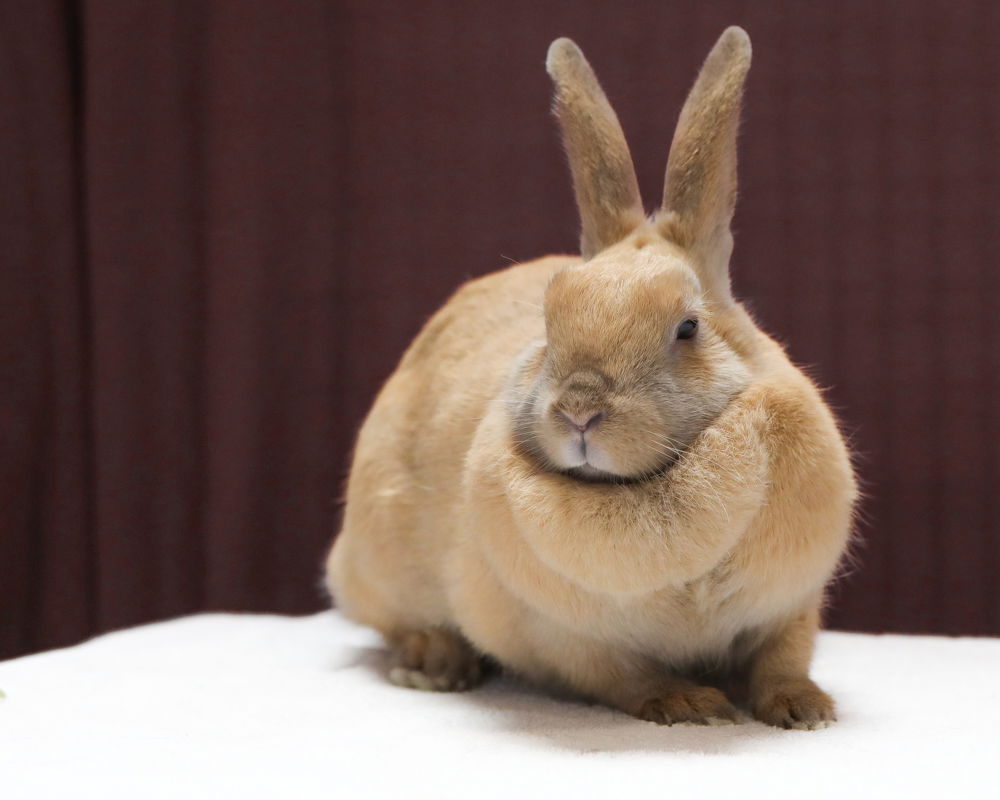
[{"x": 586, "y": 460}]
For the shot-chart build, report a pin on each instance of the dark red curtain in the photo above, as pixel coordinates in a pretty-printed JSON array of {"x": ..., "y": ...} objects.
[{"x": 223, "y": 221}]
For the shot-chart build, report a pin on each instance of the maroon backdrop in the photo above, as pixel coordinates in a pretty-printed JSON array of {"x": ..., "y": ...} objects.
[{"x": 223, "y": 221}]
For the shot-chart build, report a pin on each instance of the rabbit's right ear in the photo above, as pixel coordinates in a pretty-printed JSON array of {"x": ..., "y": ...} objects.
[{"x": 607, "y": 192}]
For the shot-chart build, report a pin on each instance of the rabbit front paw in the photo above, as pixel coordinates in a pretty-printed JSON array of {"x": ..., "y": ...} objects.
[
  {"x": 796, "y": 703},
  {"x": 700, "y": 705}
]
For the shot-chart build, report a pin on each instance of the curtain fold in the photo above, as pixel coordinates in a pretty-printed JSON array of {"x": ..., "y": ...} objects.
[{"x": 46, "y": 532}]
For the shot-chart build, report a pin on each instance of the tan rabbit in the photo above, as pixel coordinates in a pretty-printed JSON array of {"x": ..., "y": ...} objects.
[{"x": 600, "y": 472}]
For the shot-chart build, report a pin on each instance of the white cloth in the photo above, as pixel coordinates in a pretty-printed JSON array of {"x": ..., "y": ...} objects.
[{"x": 241, "y": 706}]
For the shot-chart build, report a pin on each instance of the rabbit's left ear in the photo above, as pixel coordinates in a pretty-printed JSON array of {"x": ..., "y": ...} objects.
[
  {"x": 700, "y": 193},
  {"x": 607, "y": 192}
]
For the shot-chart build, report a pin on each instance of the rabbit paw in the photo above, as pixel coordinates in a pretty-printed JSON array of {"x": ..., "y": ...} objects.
[
  {"x": 798, "y": 704},
  {"x": 701, "y": 705},
  {"x": 436, "y": 660}
]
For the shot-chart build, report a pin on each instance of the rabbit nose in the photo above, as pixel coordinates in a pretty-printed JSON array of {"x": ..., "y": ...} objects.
[{"x": 585, "y": 421}]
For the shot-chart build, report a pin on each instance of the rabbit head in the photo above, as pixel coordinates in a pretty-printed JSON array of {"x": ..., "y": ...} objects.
[{"x": 644, "y": 345}]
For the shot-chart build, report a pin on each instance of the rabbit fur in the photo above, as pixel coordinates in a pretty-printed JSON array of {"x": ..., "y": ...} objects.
[{"x": 557, "y": 476}]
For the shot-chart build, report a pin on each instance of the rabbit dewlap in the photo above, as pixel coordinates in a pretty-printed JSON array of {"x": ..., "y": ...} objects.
[{"x": 600, "y": 472}]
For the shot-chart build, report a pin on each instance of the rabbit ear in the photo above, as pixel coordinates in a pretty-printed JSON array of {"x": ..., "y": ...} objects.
[
  {"x": 607, "y": 192},
  {"x": 700, "y": 192}
]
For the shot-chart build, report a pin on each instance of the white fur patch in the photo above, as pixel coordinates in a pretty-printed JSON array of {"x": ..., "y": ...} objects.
[{"x": 415, "y": 679}]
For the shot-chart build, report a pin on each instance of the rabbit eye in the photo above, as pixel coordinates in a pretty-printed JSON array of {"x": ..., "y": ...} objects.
[{"x": 687, "y": 328}]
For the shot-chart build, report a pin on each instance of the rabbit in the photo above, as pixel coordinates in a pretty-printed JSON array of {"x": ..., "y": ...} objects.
[{"x": 597, "y": 472}]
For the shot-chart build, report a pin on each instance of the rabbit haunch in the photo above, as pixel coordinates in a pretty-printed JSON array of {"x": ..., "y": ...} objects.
[{"x": 560, "y": 476}]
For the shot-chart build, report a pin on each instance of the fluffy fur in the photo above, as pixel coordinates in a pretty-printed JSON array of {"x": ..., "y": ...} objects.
[{"x": 558, "y": 476}]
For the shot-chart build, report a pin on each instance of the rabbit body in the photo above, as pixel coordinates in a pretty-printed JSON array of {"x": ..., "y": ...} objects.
[{"x": 546, "y": 478}]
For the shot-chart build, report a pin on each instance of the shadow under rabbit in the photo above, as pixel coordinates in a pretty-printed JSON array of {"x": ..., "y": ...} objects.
[{"x": 571, "y": 724}]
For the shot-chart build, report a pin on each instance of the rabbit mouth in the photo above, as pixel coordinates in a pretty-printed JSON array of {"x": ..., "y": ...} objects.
[
  {"x": 584, "y": 455},
  {"x": 587, "y": 460},
  {"x": 591, "y": 474},
  {"x": 581, "y": 456},
  {"x": 588, "y": 472}
]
